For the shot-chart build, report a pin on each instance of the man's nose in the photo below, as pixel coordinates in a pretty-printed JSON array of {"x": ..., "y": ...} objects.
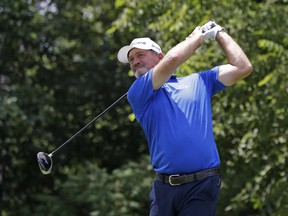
[{"x": 136, "y": 62}]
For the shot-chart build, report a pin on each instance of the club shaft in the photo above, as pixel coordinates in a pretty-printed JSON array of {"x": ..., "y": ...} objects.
[{"x": 89, "y": 123}]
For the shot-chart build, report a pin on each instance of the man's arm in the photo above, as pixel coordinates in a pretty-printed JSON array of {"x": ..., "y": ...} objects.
[
  {"x": 175, "y": 57},
  {"x": 238, "y": 66}
]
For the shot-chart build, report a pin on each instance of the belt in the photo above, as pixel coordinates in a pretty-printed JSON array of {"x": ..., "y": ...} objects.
[{"x": 177, "y": 179}]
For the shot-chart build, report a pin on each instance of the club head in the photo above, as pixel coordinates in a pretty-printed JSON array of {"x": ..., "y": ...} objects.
[{"x": 45, "y": 162}]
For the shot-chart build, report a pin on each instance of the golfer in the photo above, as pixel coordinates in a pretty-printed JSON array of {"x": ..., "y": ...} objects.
[{"x": 176, "y": 117}]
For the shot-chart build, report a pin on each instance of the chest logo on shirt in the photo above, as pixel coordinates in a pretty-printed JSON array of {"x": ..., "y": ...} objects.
[{"x": 177, "y": 86}]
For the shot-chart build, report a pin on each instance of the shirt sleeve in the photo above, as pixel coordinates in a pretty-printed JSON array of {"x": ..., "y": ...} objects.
[{"x": 210, "y": 78}]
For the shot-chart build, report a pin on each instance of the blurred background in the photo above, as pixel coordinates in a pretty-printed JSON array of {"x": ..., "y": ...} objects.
[{"x": 59, "y": 69}]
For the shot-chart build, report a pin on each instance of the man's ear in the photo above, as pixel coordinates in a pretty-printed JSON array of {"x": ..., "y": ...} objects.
[{"x": 160, "y": 55}]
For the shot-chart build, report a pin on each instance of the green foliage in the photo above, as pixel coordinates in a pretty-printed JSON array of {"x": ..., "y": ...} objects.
[
  {"x": 58, "y": 69},
  {"x": 123, "y": 192}
]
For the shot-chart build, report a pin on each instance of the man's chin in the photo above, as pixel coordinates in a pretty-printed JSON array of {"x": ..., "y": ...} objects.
[{"x": 140, "y": 72}]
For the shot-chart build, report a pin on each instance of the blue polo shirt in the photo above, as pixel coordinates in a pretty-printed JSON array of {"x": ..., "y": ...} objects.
[{"x": 177, "y": 120}]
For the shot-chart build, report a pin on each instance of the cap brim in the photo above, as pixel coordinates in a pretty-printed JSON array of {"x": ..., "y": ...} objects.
[{"x": 123, "y": 54}]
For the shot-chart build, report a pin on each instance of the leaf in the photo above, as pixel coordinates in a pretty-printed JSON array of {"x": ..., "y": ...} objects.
[
  {"x": 119, "y": 3},
  {"x": 266, "y": 79}
]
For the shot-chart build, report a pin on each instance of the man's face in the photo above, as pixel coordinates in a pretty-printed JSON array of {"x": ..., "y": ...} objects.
[{"x": 141, "y": 61}]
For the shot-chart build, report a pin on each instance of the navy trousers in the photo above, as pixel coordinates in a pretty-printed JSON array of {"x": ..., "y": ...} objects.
[{"x": 192, "y": 199}]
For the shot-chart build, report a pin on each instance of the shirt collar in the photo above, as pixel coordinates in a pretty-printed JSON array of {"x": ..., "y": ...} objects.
[{"x": 173, "y": 77}]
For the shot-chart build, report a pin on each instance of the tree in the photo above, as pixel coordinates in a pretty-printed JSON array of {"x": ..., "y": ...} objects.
[
  {"x": 57, "y": 72},
  {"x": 59, "y": 69},
  {"x": 256, "y": 154}
]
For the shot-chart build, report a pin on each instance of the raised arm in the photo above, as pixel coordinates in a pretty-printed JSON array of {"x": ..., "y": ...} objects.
[
  {"x": 238, "y": 66},
  {"x": 175, "y": 57}
]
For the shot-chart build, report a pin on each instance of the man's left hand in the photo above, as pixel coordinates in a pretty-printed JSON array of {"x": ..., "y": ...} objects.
[{"x": 210, "y": 30}]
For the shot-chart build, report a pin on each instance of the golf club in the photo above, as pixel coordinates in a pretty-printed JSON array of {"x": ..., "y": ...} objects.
[{"x": 45, "y": 161}]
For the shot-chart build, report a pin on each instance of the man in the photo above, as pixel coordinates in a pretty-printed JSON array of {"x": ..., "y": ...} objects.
[{"x": 175, "y": 114}]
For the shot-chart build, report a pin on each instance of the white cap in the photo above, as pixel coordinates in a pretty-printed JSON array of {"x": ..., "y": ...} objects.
[{"x": 140, "y": 43}]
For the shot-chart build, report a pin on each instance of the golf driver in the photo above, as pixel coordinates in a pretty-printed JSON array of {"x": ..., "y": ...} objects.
[{"x": 45, "y": 161}]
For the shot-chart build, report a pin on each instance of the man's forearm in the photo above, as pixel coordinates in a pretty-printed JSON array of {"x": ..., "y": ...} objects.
[
  {"x": 184, "y": 50},
  {"x": 175, "y": 57},
  {"x": 233, "y": 51},
  {"x": 238, "y": 66}
]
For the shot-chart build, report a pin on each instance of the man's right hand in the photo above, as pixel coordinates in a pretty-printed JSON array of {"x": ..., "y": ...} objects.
[{"x": 210, "y": 30}]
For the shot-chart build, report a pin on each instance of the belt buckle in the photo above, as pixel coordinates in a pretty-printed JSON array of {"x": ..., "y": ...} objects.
[{"x": 169, "y": 179}]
